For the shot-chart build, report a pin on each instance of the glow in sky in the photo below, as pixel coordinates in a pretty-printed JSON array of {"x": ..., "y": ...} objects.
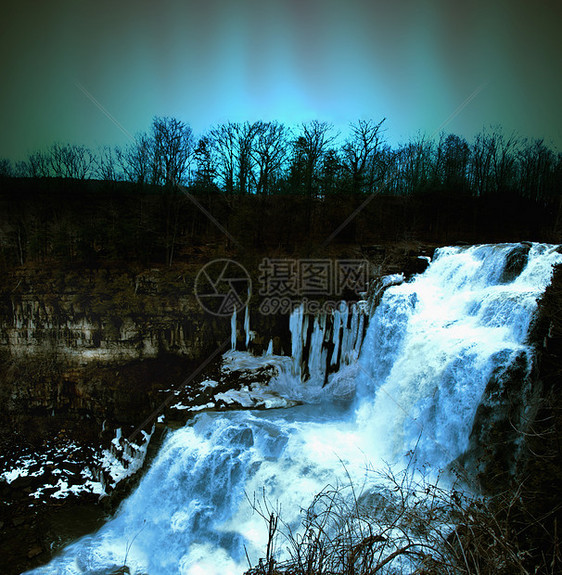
[{"x": 210, "y": 61}]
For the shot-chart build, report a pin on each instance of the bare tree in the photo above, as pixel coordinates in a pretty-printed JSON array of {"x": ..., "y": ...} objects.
[
  {"x": 173, "y": 147},
  {"x": 310, "y": 146},
  {"x": 246, "y": 134},
  {"x": 361, "y": 155},
  {"x": 36, "y": 166},
  {"x": 205, "y": 171},
  {"x": 483, "y": 151},
  {"x": 233, "y": 147},
  {"x": 451, "y": 161},
  {"x": 222, "y": 140},
  {"x": 107, "y": 164},
  {"x": 333, "y": 173},
  {"x": 270, "y": 153},
  {"x": 136, "y": 159},
  {"x": 504, "y": 161},
  {"x": 171, "y": 151},
  {"x": 71, "y": 161},
  {"x": 6, "y": 169},
  {"x": 414, "y": 165},
  {"x": 538, "y": 170}
]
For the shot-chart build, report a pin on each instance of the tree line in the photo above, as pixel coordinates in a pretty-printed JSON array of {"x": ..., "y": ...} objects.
[
  {"x": 265, "y": 185},
  {"x": 312, "y": 160}
]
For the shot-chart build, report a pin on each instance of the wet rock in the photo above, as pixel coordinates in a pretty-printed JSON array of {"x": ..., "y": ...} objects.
[
  {"x": 244, "y": 438},
  {"x": 23, "y": 483},
  {"x": 34, "y": 552},
  {"x": 515, "y": 262},
  {"x": 415, "y": 265}
]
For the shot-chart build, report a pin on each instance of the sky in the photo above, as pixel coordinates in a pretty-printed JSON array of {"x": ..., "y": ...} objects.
[{"x": 96, "y": 73}]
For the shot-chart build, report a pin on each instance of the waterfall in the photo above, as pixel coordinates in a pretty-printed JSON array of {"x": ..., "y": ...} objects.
[
  {"x": 431, "y": 346},
  {"x": 436, "y": 342}
]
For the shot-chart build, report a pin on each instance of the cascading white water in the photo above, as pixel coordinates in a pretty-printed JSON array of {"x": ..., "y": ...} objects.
[
  {"x": 431, "y": 346},
  {"x": 434, "y": 344}
]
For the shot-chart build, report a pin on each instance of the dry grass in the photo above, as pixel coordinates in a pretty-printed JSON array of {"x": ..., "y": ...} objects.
[{"x": 399, "y": 526}]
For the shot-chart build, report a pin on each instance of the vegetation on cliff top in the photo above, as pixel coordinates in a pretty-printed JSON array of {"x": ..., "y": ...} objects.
[{"x": 244, "y": 185}]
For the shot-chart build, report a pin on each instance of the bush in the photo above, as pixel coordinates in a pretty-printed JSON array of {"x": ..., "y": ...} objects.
[{"x": 399, "y": 525}]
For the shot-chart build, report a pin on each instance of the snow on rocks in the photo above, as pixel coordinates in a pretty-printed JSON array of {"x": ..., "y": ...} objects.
[
  {"x": 123, "y": 459},
  {"x": 242, "y": 382},
  {"x": 57, "y": 471},
  {"x": 67, "y": 469},
  {"x": 255, "y": 396}
]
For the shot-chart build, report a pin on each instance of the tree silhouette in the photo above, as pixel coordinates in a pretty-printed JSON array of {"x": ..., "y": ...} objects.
[{"x": 360, "y": 155}]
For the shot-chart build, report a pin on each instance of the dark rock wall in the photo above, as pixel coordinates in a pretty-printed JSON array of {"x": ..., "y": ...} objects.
[{"x": 78, "y": 348}]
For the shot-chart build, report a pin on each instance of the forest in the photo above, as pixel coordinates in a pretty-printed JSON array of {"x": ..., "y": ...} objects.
[{"x": 265, "y": 184}]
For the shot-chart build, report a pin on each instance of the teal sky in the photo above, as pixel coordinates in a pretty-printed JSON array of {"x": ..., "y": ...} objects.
[{"x": 210, "y": 61}]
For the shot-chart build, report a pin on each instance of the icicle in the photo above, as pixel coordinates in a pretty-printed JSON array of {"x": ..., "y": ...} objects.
[
  {"x": 360, "y": 330},
  {"x": 269, "y": 348},
  {"x": 317, "y": 353},
  {"x": 247, "y": 325},
  {"x": 345, "y": 335},
  {"x": 233, "y": 330},
  {"x": 353, "y": 332},
  {"x": 336, "y": 336},
  {"x": 296, "y": 329},
  {"x": 304, "y": 333}
]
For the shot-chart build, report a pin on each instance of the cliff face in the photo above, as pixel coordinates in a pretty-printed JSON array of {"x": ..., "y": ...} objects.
[
  {"x": 95, "y": 345},
  {"x": 539, "y": 468},
  {"x": 84, "y": 352},
  {"x": 98, "y": 344},
  {"x": 103, "y": 315}
]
